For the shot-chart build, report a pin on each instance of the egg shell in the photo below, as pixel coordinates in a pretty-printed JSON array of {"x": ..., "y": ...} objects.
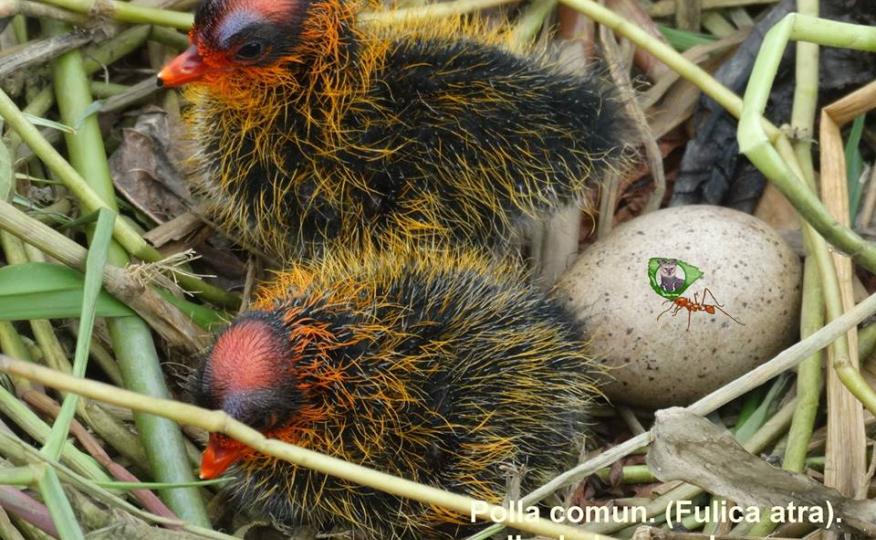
[{"x": 752, "y": 273}]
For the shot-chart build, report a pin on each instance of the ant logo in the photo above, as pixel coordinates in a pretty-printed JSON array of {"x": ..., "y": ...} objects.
[{"x": 671, "y": 277}]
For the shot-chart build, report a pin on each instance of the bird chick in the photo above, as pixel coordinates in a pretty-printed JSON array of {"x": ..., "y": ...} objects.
[
  {"x": 437, "y": 366},
  {"x": 312, "y": 127}
]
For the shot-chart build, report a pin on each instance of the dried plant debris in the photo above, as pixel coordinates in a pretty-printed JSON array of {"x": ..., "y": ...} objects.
[
  {"x": 690, "y": 448},
  {"x": 145, "y": 170},
  {"x": 712, "y": 170}
]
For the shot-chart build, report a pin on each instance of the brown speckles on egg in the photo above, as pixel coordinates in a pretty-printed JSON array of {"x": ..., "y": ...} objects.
[{"x": 747, "y": 266}]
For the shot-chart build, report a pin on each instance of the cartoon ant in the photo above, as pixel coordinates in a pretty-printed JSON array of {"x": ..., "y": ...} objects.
[{"x": 691, "y": 306}]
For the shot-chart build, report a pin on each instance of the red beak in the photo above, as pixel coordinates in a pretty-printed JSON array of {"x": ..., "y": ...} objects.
[
  {"x": 220, "y": 454},
  {"x": 185, "y": 68}
]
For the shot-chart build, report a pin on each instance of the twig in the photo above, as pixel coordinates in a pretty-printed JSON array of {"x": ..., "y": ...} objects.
[
  {"x": 40, "y": 52},
  {"x": 805, "y": 202},
  {"x": 785, "y": 360},
  {"x": 131, "y": 337},
  {"x": 128, "y": 12},
  {"x": 173, "y": 325},
  {"x": 665, "y": 8},
  {"x": 621, "y": 76},
  {"x": 91, "y": 200},
  {"x": 432, "y": 11},
  {"x": 218, "y": 421},
  {"x": 39, "y": 11}
]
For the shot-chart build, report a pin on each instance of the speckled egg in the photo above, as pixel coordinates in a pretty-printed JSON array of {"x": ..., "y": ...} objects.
[{"x": 681, "y": 301}]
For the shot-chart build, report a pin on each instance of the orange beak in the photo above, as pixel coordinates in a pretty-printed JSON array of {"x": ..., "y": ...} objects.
[
  {"x": 185, "y": 68},
  {"x": 220, "y": 454}
]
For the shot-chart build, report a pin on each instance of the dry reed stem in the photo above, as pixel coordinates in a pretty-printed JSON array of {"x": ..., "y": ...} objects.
[
  {"x": 846, "y": 438},
  {"x": 167, "y": 320},
  {"x": 219, "y": 421}
]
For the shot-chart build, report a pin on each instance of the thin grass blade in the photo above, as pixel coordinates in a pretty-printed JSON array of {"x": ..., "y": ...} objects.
[
  {"x": 94, "y": 265},
  {"x": 45, "y": 122},
  {"x": 58, "y": 505},
  {"x": 854, "y": 164}
]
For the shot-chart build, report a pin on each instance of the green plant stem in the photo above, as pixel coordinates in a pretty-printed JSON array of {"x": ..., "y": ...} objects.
[
  {"x": 809, "y": 378},
  {"x": 127, "y": 12},
  {"x": 132, "y": 339},
  {"x": 169, "y": 37},
  {"x": 22, "y": 416},
  {"x": 804, "y": 201},
  {"x": 787, "y": 359},
  {"x": 866, "y": 342},
  {"x": 91, "y": 199},
  {"x": 7, "y": 529},
  {"x": 219, "y": 421},
  {"x": 19, "y": 28},
  {"x": 104, "y": 90},
  {"x": 56, "y": 501},
  {"x": 11, "y": 344},
  {"x": 631, "y": 474},
  {"x": 757, "y": 144},
  {"x": 809, "y": 384},
  {"x": 96, "y": 59},
  {"x": 17, "y": 476}
]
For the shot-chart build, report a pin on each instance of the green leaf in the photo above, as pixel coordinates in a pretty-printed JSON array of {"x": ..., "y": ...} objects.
[
  {"x": 45, "y": 122},
  {"x": 745, "y": 430},
  {"x": 854, "y": 165},
  {"x": 682, "y": 40},
  {"x": 94, "y": 108},
  {"x": 49, "y": 291},
  {"x": 94, "y": 265}
]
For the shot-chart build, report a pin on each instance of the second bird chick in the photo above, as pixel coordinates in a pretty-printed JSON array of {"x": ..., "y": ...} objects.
[
  {"x": 437, "y": 366},
  {"x": 313, "y": 126}
]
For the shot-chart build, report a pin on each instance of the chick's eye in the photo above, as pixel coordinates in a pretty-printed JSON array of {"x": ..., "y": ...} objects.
[{"x": 250, "y": 51}]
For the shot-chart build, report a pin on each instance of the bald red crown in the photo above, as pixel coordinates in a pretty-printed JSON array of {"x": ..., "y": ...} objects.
[
  {"x": 250, "y": 355},
  {"x": 270, "y": 9},
  {"x": 222, "y": 19}
]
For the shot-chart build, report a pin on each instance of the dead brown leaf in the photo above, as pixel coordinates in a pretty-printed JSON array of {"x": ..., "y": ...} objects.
[{"x": 144, "y": 168}]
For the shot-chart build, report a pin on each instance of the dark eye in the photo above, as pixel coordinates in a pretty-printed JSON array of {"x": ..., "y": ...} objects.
[{"x": 250, "y": 51}]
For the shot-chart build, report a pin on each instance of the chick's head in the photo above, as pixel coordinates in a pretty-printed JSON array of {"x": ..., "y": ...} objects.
[
  {"x": 239, "y": 42},
  {"x": 249, "y": 374}
]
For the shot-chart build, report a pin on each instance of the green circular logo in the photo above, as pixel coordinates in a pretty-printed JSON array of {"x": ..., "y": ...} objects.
[{"x": 671, "y": 277}]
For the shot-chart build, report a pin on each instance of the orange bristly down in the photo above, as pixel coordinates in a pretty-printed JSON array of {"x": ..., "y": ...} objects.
[
  {"x": 433, "y": 365},
  {"x": 312, "y": 128}
]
